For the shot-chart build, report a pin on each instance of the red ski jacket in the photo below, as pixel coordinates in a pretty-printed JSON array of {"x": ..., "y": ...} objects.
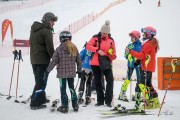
[
  {"x": 147, "y": 49},
  {"x": 105, "y": 45}
]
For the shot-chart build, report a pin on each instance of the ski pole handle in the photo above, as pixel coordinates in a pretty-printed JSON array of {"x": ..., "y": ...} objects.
[
  {"x": 174, "y": 62},
  {"x": 148, "y": 58},
  {"x": 15, "y": 54},
  {"x": 20, "y": 55}
]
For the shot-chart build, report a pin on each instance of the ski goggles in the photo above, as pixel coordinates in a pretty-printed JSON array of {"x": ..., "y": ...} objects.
[
  {"x": 65, "y": 35},
  {"x": 148, "y": 31}
]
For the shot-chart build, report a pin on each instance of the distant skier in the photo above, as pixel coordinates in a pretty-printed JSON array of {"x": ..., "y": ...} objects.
[
  {"x": 140, "y": 2},
  {"x": 133, "y": 63},
  {"x": 66, "y": 57},
  {"x": 86, "y": 77},
  {"x": 150, "y": 46}
]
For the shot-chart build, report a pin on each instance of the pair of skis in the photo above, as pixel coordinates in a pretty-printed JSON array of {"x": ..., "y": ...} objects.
[
  {"x": 122, "y": 111},
  {"x": 17, "y": 101}
]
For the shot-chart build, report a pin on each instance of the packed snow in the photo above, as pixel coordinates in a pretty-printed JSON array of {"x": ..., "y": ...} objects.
[{"x": 125, "y": 17}]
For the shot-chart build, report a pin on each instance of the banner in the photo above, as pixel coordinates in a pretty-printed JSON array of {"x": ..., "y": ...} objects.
[
  {"x": 5, "y": 26},
  {"x": 11, "y": 28}
]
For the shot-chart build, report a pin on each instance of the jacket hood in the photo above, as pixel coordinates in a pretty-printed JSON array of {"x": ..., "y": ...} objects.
[{"x": 38, "y": 26}]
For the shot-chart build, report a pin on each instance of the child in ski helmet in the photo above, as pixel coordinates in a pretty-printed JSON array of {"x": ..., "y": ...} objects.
[
  {"x": 150, "y": 46},
  {"x": 65, "y": 58},
  {"x": 132, "y": 63},
  {"x": 86, "y": 76}
]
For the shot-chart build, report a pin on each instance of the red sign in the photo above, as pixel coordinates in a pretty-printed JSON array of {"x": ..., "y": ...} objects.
[{"x": 21, "y": 43}]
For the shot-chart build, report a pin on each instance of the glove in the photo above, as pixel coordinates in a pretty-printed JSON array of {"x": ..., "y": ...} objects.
[
  {"x": 130, "y": 58},
  {"x": 79, "y": 74},
  {"x": 137, "y": 62},
  {"x": 130, "y": 46},
  {"x": 110, "y": 51}
]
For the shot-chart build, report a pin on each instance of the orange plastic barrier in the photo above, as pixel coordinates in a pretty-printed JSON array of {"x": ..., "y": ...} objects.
[{"x": 165, "y": 71}]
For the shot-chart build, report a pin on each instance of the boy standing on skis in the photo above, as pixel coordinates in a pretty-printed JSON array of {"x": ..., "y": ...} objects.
[
  {"x": 66, "y": 57},
  {"x": 133, "y": 63},
  {"x": 86, "y": 76},
  {"x": 147, "y": 56}
]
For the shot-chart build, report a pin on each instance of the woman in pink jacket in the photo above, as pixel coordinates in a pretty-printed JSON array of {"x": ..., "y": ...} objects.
[{"x": 102, "y": 45}]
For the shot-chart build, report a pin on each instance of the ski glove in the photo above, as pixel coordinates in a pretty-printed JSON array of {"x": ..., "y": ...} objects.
[
  {"x": 110, "y": 51},
  {"x": 137, "y": 62}
]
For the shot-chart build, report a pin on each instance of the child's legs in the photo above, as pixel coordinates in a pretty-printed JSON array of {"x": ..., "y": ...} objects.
[
  {"x": 72, "y": 90},
  {"x": 88, "y": 84},
  {"x": 64, "y": 97}
]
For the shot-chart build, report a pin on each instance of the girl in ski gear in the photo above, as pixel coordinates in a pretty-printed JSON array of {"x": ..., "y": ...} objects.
[
  {"x": 106, "y": 48},
  {"x": 150, "y": 46},
  {"x": 133, "y": 63},
  {"x": 65, "y": 58}
]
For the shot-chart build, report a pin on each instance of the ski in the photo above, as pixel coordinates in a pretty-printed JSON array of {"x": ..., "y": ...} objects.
[
  {"x": 124, "y": 113},
  {"x": 26, "y": 101},
  {"x": 54, "y": 105},
  {"x": 9, "y": 97}
]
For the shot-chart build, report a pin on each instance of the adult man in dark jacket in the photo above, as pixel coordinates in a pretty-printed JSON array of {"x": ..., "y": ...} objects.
[{"x": 41, "y": 51}]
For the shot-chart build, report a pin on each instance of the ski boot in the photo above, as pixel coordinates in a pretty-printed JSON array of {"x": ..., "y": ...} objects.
[
  {"x": 80, "y": 100},
  {"x": 148, "y": 104},
  {"x": 120, "y": 109},
  {"x": 152, "y": 104},
  {"x": 38, "y": 107},
  {"x": 75, "y": 107},
  {"x": 88, "y": 100},
  {"x": 116, "y": 107},
  {"x": 134, "y": 97},
  {"x": 156, "y": 103},
  {"x": 123, "y": 97},
  {"x": 63, "y": 109}
]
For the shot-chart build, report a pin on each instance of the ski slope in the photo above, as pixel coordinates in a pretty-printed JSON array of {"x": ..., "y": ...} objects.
[{"x": 124, "y": 18}]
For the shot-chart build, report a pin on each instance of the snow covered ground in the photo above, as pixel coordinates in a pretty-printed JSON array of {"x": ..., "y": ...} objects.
[{"x": 124, "y": 17}]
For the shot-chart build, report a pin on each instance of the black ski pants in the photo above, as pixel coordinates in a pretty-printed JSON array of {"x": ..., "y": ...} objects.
[
  {"x": 146, "y": 77},
  {"x": 64, "y": 96},
  {"x": 85, "y": 76},
  {"x": 38, "y": 96},
  {"x": 108, "y": 95}
]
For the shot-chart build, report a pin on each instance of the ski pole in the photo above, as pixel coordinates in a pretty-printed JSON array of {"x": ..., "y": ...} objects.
[
  {"x": 15, "y": 57},
  {"x": 20, "y": 58},
  {"x": 174, "y": 62},
  {"x": 77, "y": 83},
  {"x": 148, "y": 58},
  {"x": 140, "y": 2},
  {"x": 130, "y": 59}
]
